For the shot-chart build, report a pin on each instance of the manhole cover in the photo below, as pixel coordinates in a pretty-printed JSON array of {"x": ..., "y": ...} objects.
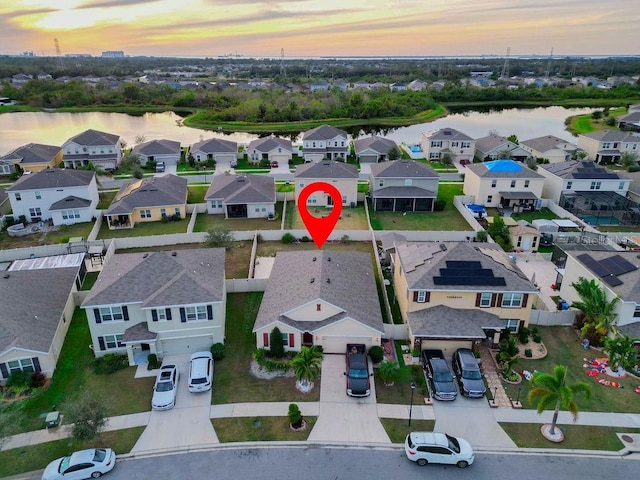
[{"x": 626, "y": 438}]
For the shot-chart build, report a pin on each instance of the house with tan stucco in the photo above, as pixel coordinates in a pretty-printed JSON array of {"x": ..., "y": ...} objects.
[
  {"x": 32, "y": 157},
  {"x": 343, "y": 176}
]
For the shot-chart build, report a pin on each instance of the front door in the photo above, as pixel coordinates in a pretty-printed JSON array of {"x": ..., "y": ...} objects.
[
  {"x": 307, "y": 339},
  {"x": 329, "y": 199}
]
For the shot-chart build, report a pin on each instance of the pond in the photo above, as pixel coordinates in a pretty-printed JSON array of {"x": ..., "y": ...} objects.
[{"x": 54, "y": 128}]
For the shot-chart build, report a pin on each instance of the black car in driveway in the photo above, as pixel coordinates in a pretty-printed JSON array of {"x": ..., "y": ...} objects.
[
  {"x": 438, "y": 375},
  {"x": 358, "y": 383},
  {"x": 467, "y": 371}
]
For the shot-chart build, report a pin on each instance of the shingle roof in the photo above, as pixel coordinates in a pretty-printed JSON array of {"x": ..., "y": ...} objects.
[
  {"x": 343, "y": 279},
  {"x": 630, "y": 117},
  {"x": 234, "y": 189},
  {"x": 490, "y": 142},
  {"x": 157, "y": 147},
  {"x": 502, "y": 169},
  {"x": 581, "y": 169},
  {"x": 268, "y": 144},
  {"x": 94, "y": 138},
  {"x": 70, "y": 202},
  {"x": 524, "y": 230},
  {"x": 403, "y": 192},
  {"x": 446, "y": 322},
  {"x": 611, "y": 136},
  {"x": 447, "y": 134},
  {"x": 149, "y": 192},
  {"x": 159, "y": 279},
  {"x": 543, "y": 144},
  {"x": 402, "y": 169},
  {"x": 377, "y": 144},
  {"x": 215, "y": 145},
  {"x": 326, "y": 170},
  {"x": 33, "y": 153},
  {"x": 323, "y": 132},
  {"x": 629, "y": 289},
  {"x": 53, "y": 178}
]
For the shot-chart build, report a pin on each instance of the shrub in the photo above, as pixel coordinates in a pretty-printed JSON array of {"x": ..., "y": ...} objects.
[
  {"x": 528, "y": 353},
  {"x": 19, "y": 379},
  {"x": 137, "y": 172},
  {"x": 110, "y": 363},
  {"x": 276, "y": 344},
  {"x": 345, "y": 239},
  {"x": 523, "y": 335},
  {"x": 536, "y": 337},
  {"x": 439, "y": 205},
  {"x": 633, "y": 168},
  {"x": 261, "y": 357},
  {"x": 482, "y": 236},
  {"x": 13, "y": 176},
  {"x": 152, "y": 361},
  {"x": 219, "y": 237},
  {"x": 218, "y": 351},
  {"x": 88, "y": 413},
  {"x": 294, "y": 415},
  {"x": 37, "y": 379},
  {"x": 9, "y": 220},
  {"x": 176, "y": 217},
  {"x": 259, "y": 238},
  {"x": 288, "y": 238},
  {"x": 376, "y": 354},
  {"x": 305, "y": 239},
  {"x": 23, "y": 219}
]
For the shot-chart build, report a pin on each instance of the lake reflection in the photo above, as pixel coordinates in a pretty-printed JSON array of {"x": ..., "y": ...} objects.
[{"x": 53, "y": 128}]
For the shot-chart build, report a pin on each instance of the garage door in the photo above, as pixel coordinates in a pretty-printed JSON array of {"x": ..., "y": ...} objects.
[
  {"x": 448, "y": 347},
  {"x": 280, "y": 158},
  {"x": 368, "y": 158},
  {"x": 226, "y": 157},
  {"x": 339, "y": 344},
  {"x": 180, "y": 346}
]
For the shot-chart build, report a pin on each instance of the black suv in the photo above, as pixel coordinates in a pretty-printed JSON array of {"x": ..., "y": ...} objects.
[
  {"x": 466, "y": 369},
  {"x": 438, "y": 375}
]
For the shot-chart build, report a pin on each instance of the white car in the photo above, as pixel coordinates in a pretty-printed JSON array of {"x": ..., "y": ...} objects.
[
  {"x": 432, "y": 447},
  {"x": 200, "y": 372},
  {"x": 166, "y": 388},
  {"x": 91, "y": 463}
]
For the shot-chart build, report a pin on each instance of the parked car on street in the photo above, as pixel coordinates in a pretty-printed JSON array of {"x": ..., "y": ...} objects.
[
  {"x": 200, "y": 372},
  {"x": 439, "y": 376},
  {"x": 166, "y": 388},
  {"x": 90, "y": 463},
  {"x": 432, "y": 447},
  {"x": 160, "y": 167},
  {"x": 467, "y": 371},
  {"x": 358, "y": 383}
]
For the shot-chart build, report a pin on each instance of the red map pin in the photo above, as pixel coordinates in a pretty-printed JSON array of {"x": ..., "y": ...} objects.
[{"x": 320, "y": 228}]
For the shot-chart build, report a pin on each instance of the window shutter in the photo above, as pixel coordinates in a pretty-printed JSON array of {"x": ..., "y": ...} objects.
[
  {"x": 36, "y": 364},
  {"x": 209, "y": 312},
  {"x": 265, "y": 339},
  {"x": 154, "y": 315},
  {"x": 125, "y": 313},
  {"x": 168, "y": 313},
  {"x": 499, "y": 299},
  {"x": 427, "y": 297},
  {"x": 493, "y": 299},
  {"x": 291, "y": 340},
  {"x": 525, "y": 298},
  {"x": 183, "y": 315},
  {"x": 3, "y": 370},
  {"x": 101, "y": 343},
  {"x": 415, "y": 296},
  {"x": 478, "y": 296},
  {"x": 96, "y": 313}
]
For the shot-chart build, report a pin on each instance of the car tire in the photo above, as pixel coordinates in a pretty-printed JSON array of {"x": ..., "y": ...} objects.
[
  {"x": 462, "y": 464},
  {"x": 96, "y": 474},
  {"x": 422, "y": 462}
]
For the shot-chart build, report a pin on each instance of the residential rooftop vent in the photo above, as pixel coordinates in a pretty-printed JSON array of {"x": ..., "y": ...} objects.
[
  {"x": 443, "y": 247},
  {"x": 314, "y": 259},
  {"x": 6, "y": 275},
  {"x": 174, "y": 254},
  {"x": 328, "y": 280},
  {"x": 328, "y": 259},
  {"x": 312, "y": 280},
  {"x": 145, "y": 255}
]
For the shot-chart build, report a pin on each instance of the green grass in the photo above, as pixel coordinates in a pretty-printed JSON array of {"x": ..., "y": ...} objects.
[
  {"x": 350, "y": 218},
  {"x": 205, "y": 222},
  {"x": 260, "y": 429},
  {"x": 619, "y": 228},
  {"x": 233, "y": 382},
  {"x": 580, "y": 437},
  {"x": 144, "y": 229},
  {"x": 398, "y": 429},
  {"x": 89, "y": 280},
  {"x": 543, "y": 213},
  {"x": 400, "y": 392},
  {"x": 61, "y": 235},
  {"x": 585, "y": 123},
  {"x": 105, "y": 199},
  {"x": 283, "y": 187},
  {"x": 37, "y": 457},
  {"x": 196, "y": 193}
]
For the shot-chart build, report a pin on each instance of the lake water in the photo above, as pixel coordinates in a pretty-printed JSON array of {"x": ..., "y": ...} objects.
[{"x": 53, "y": 128}]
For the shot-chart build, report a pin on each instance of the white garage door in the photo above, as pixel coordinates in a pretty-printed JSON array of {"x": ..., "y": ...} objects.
[
  {"x": 226, "y": 157},
  {"x": 339, "y": 344},
  {"x": 448, "y": 347},
  {"x": 368, "y": 158},
  {"x": 280, "y": 158},
  {"x": 180, "y": 346}
]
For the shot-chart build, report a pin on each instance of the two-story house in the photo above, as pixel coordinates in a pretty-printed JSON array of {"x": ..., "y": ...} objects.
[
  {"x": 322, "y": 298},
  {"x": 271, "y": 149},
  {"x": 448, "y": 141},
  {"x": 62, "y": 195},
  {"x": 550, "y": 147},
  {"x": 373, "y": 149},
  {"x": 343, "y": 176},
  {"x": 242, "y": 196},
  {"x": 324, "y": 142},
  {"x": 494, "y": 147},
  {"x": 214, "y": 149},
  {"x": 102, "y": 149},
  {"x": 503, "y": 182},
  {"x": 32, "y": 157},
  {"x": 403, "y": 186},
  {"x": 166, "y": 151},
  {"x": 454, "y": 294},
  {"x": 607, "y": 146},
  {"x": 167, "y": 303}
]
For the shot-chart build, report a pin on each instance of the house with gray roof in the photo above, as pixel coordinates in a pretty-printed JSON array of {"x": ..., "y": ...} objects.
[
  {"x": 215, "y": 149},
  {"x": 242, "y": 196},
  {"x": 373, "y": 149},
  {"x": 324, "y": 142},
  {"x": 92, "y": 146},
  {"x": 271, "y": 149},
  {"x": 504, "y": 183},
  {"x": 343, "y": 176},
  {"x": 167, "y": 303},
  {"x": 150, "y": 199},
  {"x": 38, "y": 308},
  {"x": 550, "y": 147},
  {"x": 322, "y": 298},
  {"x": 64, "y": 196},
  {"x": 630, "y": 121},
  {"x": 494, "y": 147},
  {"x": 456, "y": 294},
  {"x": 448, "y": 142},
  {"x": 166, "y": 151},
  {"x": 403, "y": 186},
  {"x": 607, "y": 146},
  {"x": 32, "y": 157}
]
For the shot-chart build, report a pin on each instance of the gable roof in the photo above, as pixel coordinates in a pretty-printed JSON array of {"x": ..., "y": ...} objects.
[
  {"x": 70, "y": 202},
  {"x": 422, "y": 263},
  {"x": 235, "y": 189},
  {"x": 33, "y": 153},
  {"x": 326, "y": 169},
  {"x": 215, "y": 145},
  {"x": 92, "y": 138},
  {"x": 447, "y": 134},
  {"x": 490, "y": 142},
  {"x": 149, "y": 192},
  {"x": 160, "y": 279},
  {"x": 267, "y": 144},
  {"x": 502, "y": 169},
  {"x": 545, "y": 143},
  {"x": 343, "y": 279},
  {"x": 403, "y": 169},
  {"x": 378, "y": 144},
  {"x": 53, "y": 178},
  {"x": 582, "y": 169},
  {"x": 157, "y": 147},
  {"x": 323, "y": 132},
  {"x": 611, "y": 136}
]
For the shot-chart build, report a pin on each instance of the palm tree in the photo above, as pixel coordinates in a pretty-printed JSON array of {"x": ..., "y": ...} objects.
[
  {"x": 306, "y": 366},
  {"x": 599, "y": 312},
  {"x": 508, "y": 355},
  {"x": 622, "y": 351},
  {"x": 551, "y": 390},
  {"x": 389, "y": 372}
]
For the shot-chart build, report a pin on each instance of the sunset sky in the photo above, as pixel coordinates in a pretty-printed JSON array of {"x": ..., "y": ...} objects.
[{"x": 320, "y": 28}]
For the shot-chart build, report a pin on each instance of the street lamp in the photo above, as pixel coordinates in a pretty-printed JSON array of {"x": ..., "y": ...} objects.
[
  {"x": 518, "y": 397},
  {"x": 413, "y": 387},
  {"x": 495, "y": 391}
]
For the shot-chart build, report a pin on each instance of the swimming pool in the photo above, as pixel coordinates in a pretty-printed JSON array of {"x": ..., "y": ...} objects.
[
  {"x": 415, "y": 148},
  {"x": 601, "y": 220}
]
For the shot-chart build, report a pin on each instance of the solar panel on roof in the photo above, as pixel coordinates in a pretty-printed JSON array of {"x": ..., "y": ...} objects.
[
  {"x": 475, "y": 281},
  {"x": 593, "y": 265},
  {"x": 466, "y": 272},
  {"x": 462, "y": 264},
  {"x": 622, "y": 266},
  {"x": 612, "y": 281}
]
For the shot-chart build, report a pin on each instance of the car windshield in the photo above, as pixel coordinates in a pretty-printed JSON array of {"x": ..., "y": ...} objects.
[
  {"x": 442, "y": 377},
  {"x": 453, "y": 444},
  {"x": 64, "y": 464},
  {"x": 164, "y": 387},
  {"x": 471, "y": 374},
  {"x": 358, "y": 374},
  {"x": 99, "y": 455}
]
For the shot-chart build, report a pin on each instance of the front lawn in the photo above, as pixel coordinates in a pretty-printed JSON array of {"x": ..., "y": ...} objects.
[
  {"x": 260, "y": 429},
  {"x": 60, "y": 234},
  {"x": 350, "y": 218},
  {"x": 543, "y": 213},
  {"x": 398, "y": 428},
  {"x": 205, "y": 222},
  {"x": 144, "y": 229}
]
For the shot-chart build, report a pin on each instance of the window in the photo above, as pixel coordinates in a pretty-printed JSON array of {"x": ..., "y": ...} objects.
[
  {"x": 145, "y": 213},
  {"x": 162, "y": 314},
  {"x": 437, "y": 144},
  {"x": 569, "y": 185},
  {"x": 67, "y": 214},
  {"x": 113, "y": 341},
  {"x": 163, "y": 211},
  {"x": 35, "y": 212},
  {"x": 408, "y": 182},
  {"x": 455, "y": 144},
  {"x": 434, "y": 155},
  {"x": 465, "y": 144},
  {"x": 344, "y": 199},
  {"x": 513, "y": 184},
  {"x": 422, "y": 296},
  {"x": 485, "y": 299},
  {"x": 511, "y": 324},
  {"x": 526, "y": 184},
  {"x": 519, "y": 243},
  {"x": 489, "y": 198},
  {"x": 595, "y": 185},
  {"x": 313, "y": 145},
  {"x": 512, "y": 299},
  {"x": 177, "y": 210},
  {"x": 621, "y": 186},
  {"x": 312, "y": 199},
  {"x": 196, "y": 313},
  {"x": 381, "y": 183},
  {"x": 38, "y": 196},
  {"x": 5, "y": 169},
  {"x": 18, "y": 197},
  {"x": 21, "y": 365},
  {"x": 285, "y": 339},
  {"x": 534, "y": 242},
  {"x": 636, "y": 312},
  {"x": 108, "y": 314},
  {"x": 494, "y": 183},
  {"x": 606, "y": 145}
]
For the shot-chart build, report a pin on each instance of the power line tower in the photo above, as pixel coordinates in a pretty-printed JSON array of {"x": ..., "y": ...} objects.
[
  {"x": 505, "y": 67},
  {"x": 57, "y": 45},
  {"x": 282, "y": 70},
  {"x": 546, "y": 73}
]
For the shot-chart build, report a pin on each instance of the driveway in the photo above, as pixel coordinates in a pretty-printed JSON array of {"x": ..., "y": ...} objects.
[
  {"x": 343, "y": 418},
  {"x": 185, "y": 425}
]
